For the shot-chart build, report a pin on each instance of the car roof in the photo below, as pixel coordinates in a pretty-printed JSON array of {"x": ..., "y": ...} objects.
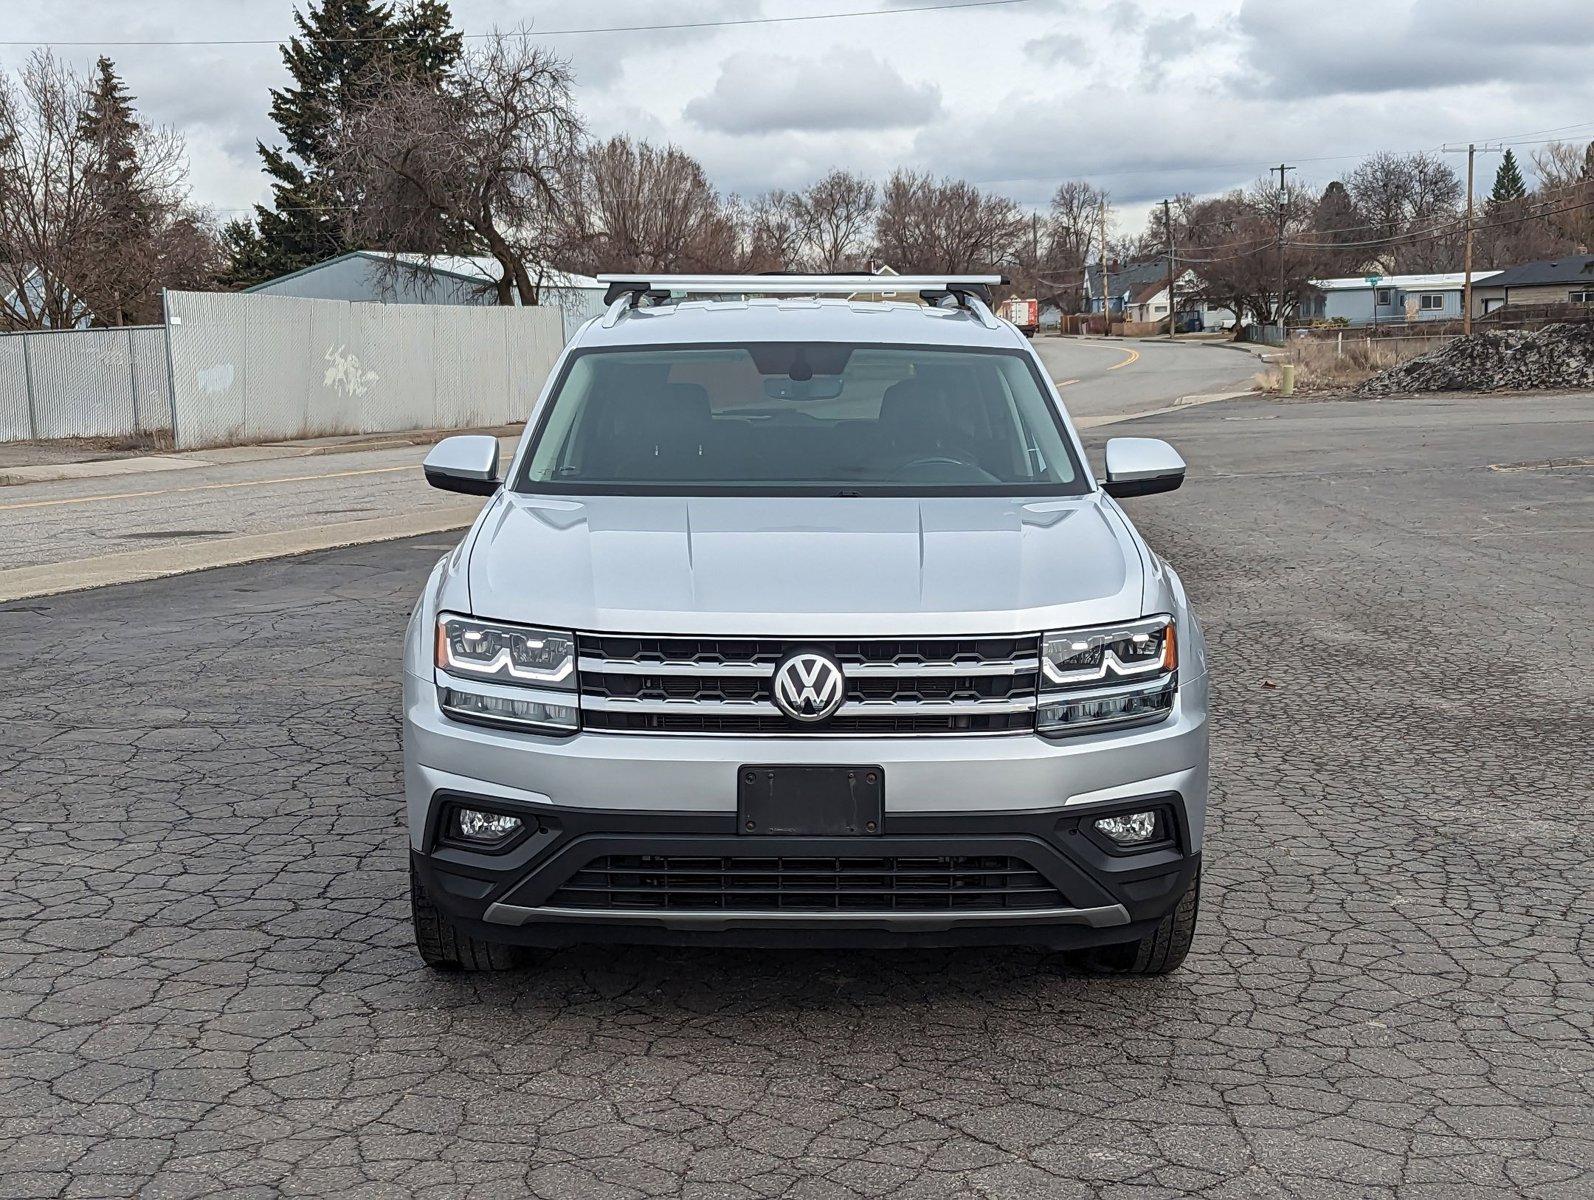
[{"x": 796, "y": 319}]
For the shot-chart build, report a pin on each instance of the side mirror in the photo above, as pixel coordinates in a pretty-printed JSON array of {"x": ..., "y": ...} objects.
[
  {"x": 468, "y": 463},
  {"x": 1141, "y": 467}
]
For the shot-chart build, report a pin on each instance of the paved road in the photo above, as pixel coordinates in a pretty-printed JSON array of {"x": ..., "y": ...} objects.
[
  {"x": 136, "y": 526},
  {"x": 207, "y": 987},
  {"x": 1106, "y": 379},
  {"x": 80, "y": 519}
]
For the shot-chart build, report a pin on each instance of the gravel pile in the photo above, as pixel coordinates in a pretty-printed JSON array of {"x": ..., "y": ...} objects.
[{"x": 1557, "y": 356}]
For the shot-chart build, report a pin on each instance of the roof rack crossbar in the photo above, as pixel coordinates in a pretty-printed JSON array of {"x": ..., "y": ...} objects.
[{"x": 794, "y": 285}]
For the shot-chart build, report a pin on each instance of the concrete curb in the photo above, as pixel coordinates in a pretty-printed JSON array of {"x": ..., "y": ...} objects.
[
  {"x": 99, "y": 469},
  {"x": 48, "y": 579},
  {"x": 226, "y": 455},
  {"x": 1194, "y": 400}
]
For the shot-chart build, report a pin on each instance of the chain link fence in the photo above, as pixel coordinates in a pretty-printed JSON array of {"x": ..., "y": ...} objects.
[
  {"x": 229, "y": 367},
  {"x": 84, "y": 383},
  {"x": 249, "y": 368}
]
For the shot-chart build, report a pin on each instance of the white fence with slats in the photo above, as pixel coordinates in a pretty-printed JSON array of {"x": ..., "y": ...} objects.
[
  {"x": 230, "y": 367},
  {"x": 84, "y": 383},
  {"x": 258, "y": 368}
]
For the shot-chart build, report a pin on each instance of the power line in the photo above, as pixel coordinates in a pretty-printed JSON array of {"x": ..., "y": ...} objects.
[{"x": 661, "y": 27}]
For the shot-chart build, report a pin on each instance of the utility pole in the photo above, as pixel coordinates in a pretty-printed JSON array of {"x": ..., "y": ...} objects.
[
  {"x": 1282, "y": 198},
  {"x": 1035, "y": 263},
  {"x": 1167, "y": 224},
  {"x": 1106, "y": 296},
  {"x": 1466, "y": 256}
]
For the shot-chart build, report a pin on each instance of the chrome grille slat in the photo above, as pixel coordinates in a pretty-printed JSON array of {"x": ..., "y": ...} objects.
[
  {"x": 610, "y": 666},
  {"x": 895, "y": 686},
  {"x": 848, "y": 708}
]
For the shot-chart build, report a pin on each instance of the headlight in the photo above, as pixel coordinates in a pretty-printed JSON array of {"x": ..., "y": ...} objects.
[
  {"x": 499, "y": 674},
  {"x": 1108, "y": 676}
]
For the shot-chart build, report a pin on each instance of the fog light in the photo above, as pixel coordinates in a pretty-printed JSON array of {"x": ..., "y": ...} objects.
[
  {"x": 488, "y": 828},
  {"x": 1130, "y": 829}
]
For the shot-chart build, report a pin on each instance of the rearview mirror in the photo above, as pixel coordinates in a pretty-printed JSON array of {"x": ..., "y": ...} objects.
[
  {"x": 467, "y": 463},
  {"x": 1141, "y": 467}
]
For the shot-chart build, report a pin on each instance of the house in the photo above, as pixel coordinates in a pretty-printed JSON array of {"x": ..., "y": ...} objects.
[
  {"x": 1139, "y": 292},
  {"x": 1566, "y": 280},
  {"x": 1392, "y": 299},
  {"x": 376, "y": 276}
]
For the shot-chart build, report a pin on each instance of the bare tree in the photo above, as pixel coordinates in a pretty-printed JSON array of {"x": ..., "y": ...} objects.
[
  {"x": 1566, "y": 193},
  {"x": 47, "y": 205},
  {"x": 94, "y": 218},
  {"x": 1074, "y": 224},
  {"x": 635, "y": 206},
  {"x": 487, "y": 156},
  {"x": 772, "y": 236},
  {"x": 925, "y": 224},
  {"x": 1233, "y": 247},
  {"x": 834, "y": 217},
  {"x": 1404, "y": 201}
]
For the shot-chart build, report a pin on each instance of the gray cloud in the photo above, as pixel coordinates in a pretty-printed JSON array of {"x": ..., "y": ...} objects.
[
  {"x": 1374, "y": 46},
  {"x": 1145, "y": 99},
  {"x": 1055, "y": 49},
  {"x": 845, "y": 88},
  {"x": 1168, "y": 39}
]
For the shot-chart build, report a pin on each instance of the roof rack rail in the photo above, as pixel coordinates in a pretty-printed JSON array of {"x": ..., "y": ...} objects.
[{"x": 968, "y": 291}]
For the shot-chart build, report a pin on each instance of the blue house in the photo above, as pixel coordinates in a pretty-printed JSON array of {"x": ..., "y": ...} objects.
[{"x": 1394, "y": 299}]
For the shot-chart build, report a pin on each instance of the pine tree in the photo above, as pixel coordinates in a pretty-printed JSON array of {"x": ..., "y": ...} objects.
[
  {"x": 1508, "y": 184},
  {"x": 109, "y": 123},
  {"x": 109, "y": 127},
  {"x": 332, "y": 61}
]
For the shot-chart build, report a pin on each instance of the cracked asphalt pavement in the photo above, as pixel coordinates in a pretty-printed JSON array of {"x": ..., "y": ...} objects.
[{"x": 207, "y": 985}]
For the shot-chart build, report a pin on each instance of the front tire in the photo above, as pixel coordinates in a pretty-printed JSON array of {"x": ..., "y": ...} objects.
[
  {"x": 1160, "y": 952},
  {"x": 444, "y": 947}
]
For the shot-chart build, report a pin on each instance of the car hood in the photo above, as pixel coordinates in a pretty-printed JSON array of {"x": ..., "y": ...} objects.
[{"x": 804, "y": 566}]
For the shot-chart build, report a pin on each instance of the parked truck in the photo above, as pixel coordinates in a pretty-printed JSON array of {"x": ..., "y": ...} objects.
[{"x": 1026, "y": 314}]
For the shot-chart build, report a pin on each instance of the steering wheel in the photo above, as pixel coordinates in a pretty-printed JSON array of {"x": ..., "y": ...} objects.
[{"x": 979, "y": 474}]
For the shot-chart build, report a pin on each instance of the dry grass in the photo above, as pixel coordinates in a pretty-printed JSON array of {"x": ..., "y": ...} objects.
[{"x": 1328, "y": 366}]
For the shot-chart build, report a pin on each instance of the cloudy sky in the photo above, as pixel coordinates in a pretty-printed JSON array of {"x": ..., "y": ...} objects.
[{"x": 1144, "y": 98}]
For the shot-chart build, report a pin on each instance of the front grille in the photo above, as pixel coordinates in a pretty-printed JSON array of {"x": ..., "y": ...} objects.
[
  {"x": 724, "y": 685},
  {"x": 853, "y": 884}
]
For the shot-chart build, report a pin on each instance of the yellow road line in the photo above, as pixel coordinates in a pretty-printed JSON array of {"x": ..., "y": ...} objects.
[
  {"x": 1134, "y": 356},
  {"x": 204, "y": 487},
  {"x": 1066, "y": 382}
]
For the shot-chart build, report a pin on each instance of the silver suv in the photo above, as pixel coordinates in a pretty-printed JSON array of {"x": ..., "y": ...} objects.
[{"x": 798, "y": 619}]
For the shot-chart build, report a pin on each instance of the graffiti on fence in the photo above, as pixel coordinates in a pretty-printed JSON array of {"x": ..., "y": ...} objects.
[{"x": 345, "y": 375}]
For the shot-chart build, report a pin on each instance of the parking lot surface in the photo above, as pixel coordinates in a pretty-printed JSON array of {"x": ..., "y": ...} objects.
[{"x": 207, "y": 985}]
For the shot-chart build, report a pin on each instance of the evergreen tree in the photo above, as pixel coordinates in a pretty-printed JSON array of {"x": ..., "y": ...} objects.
[
  {"x": 333, "y": 62},
  {"x": 1508, "y": 184},
  {"x": 108, "y": 122},
  {"x": 108, "y": 125}
]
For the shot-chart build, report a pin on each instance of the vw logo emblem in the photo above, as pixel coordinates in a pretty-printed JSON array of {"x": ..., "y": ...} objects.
[{"x": 809, "y": 686}]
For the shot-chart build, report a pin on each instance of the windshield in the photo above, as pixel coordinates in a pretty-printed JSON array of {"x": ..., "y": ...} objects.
[{"x": 822, "y": 417}]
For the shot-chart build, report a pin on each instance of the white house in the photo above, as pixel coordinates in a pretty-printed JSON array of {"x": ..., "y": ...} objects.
[
  {"x": 376, "y": 276},
  {"x": 1395, "y": 299},
  {"x": 1139, "y": 292}
]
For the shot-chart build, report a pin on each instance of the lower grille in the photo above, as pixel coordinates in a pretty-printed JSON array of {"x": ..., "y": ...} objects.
[
  {"x": 710, "y": 722},
  {"x": 851, "y": 884}
]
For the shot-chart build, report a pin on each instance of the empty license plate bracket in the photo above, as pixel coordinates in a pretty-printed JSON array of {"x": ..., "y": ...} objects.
[{"x": 779, "y": 800}]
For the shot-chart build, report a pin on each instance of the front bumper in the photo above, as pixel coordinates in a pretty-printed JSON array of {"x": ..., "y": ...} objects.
[
  {"x": 595, "y": 795},
  {"x": 523, "y": 895}
]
